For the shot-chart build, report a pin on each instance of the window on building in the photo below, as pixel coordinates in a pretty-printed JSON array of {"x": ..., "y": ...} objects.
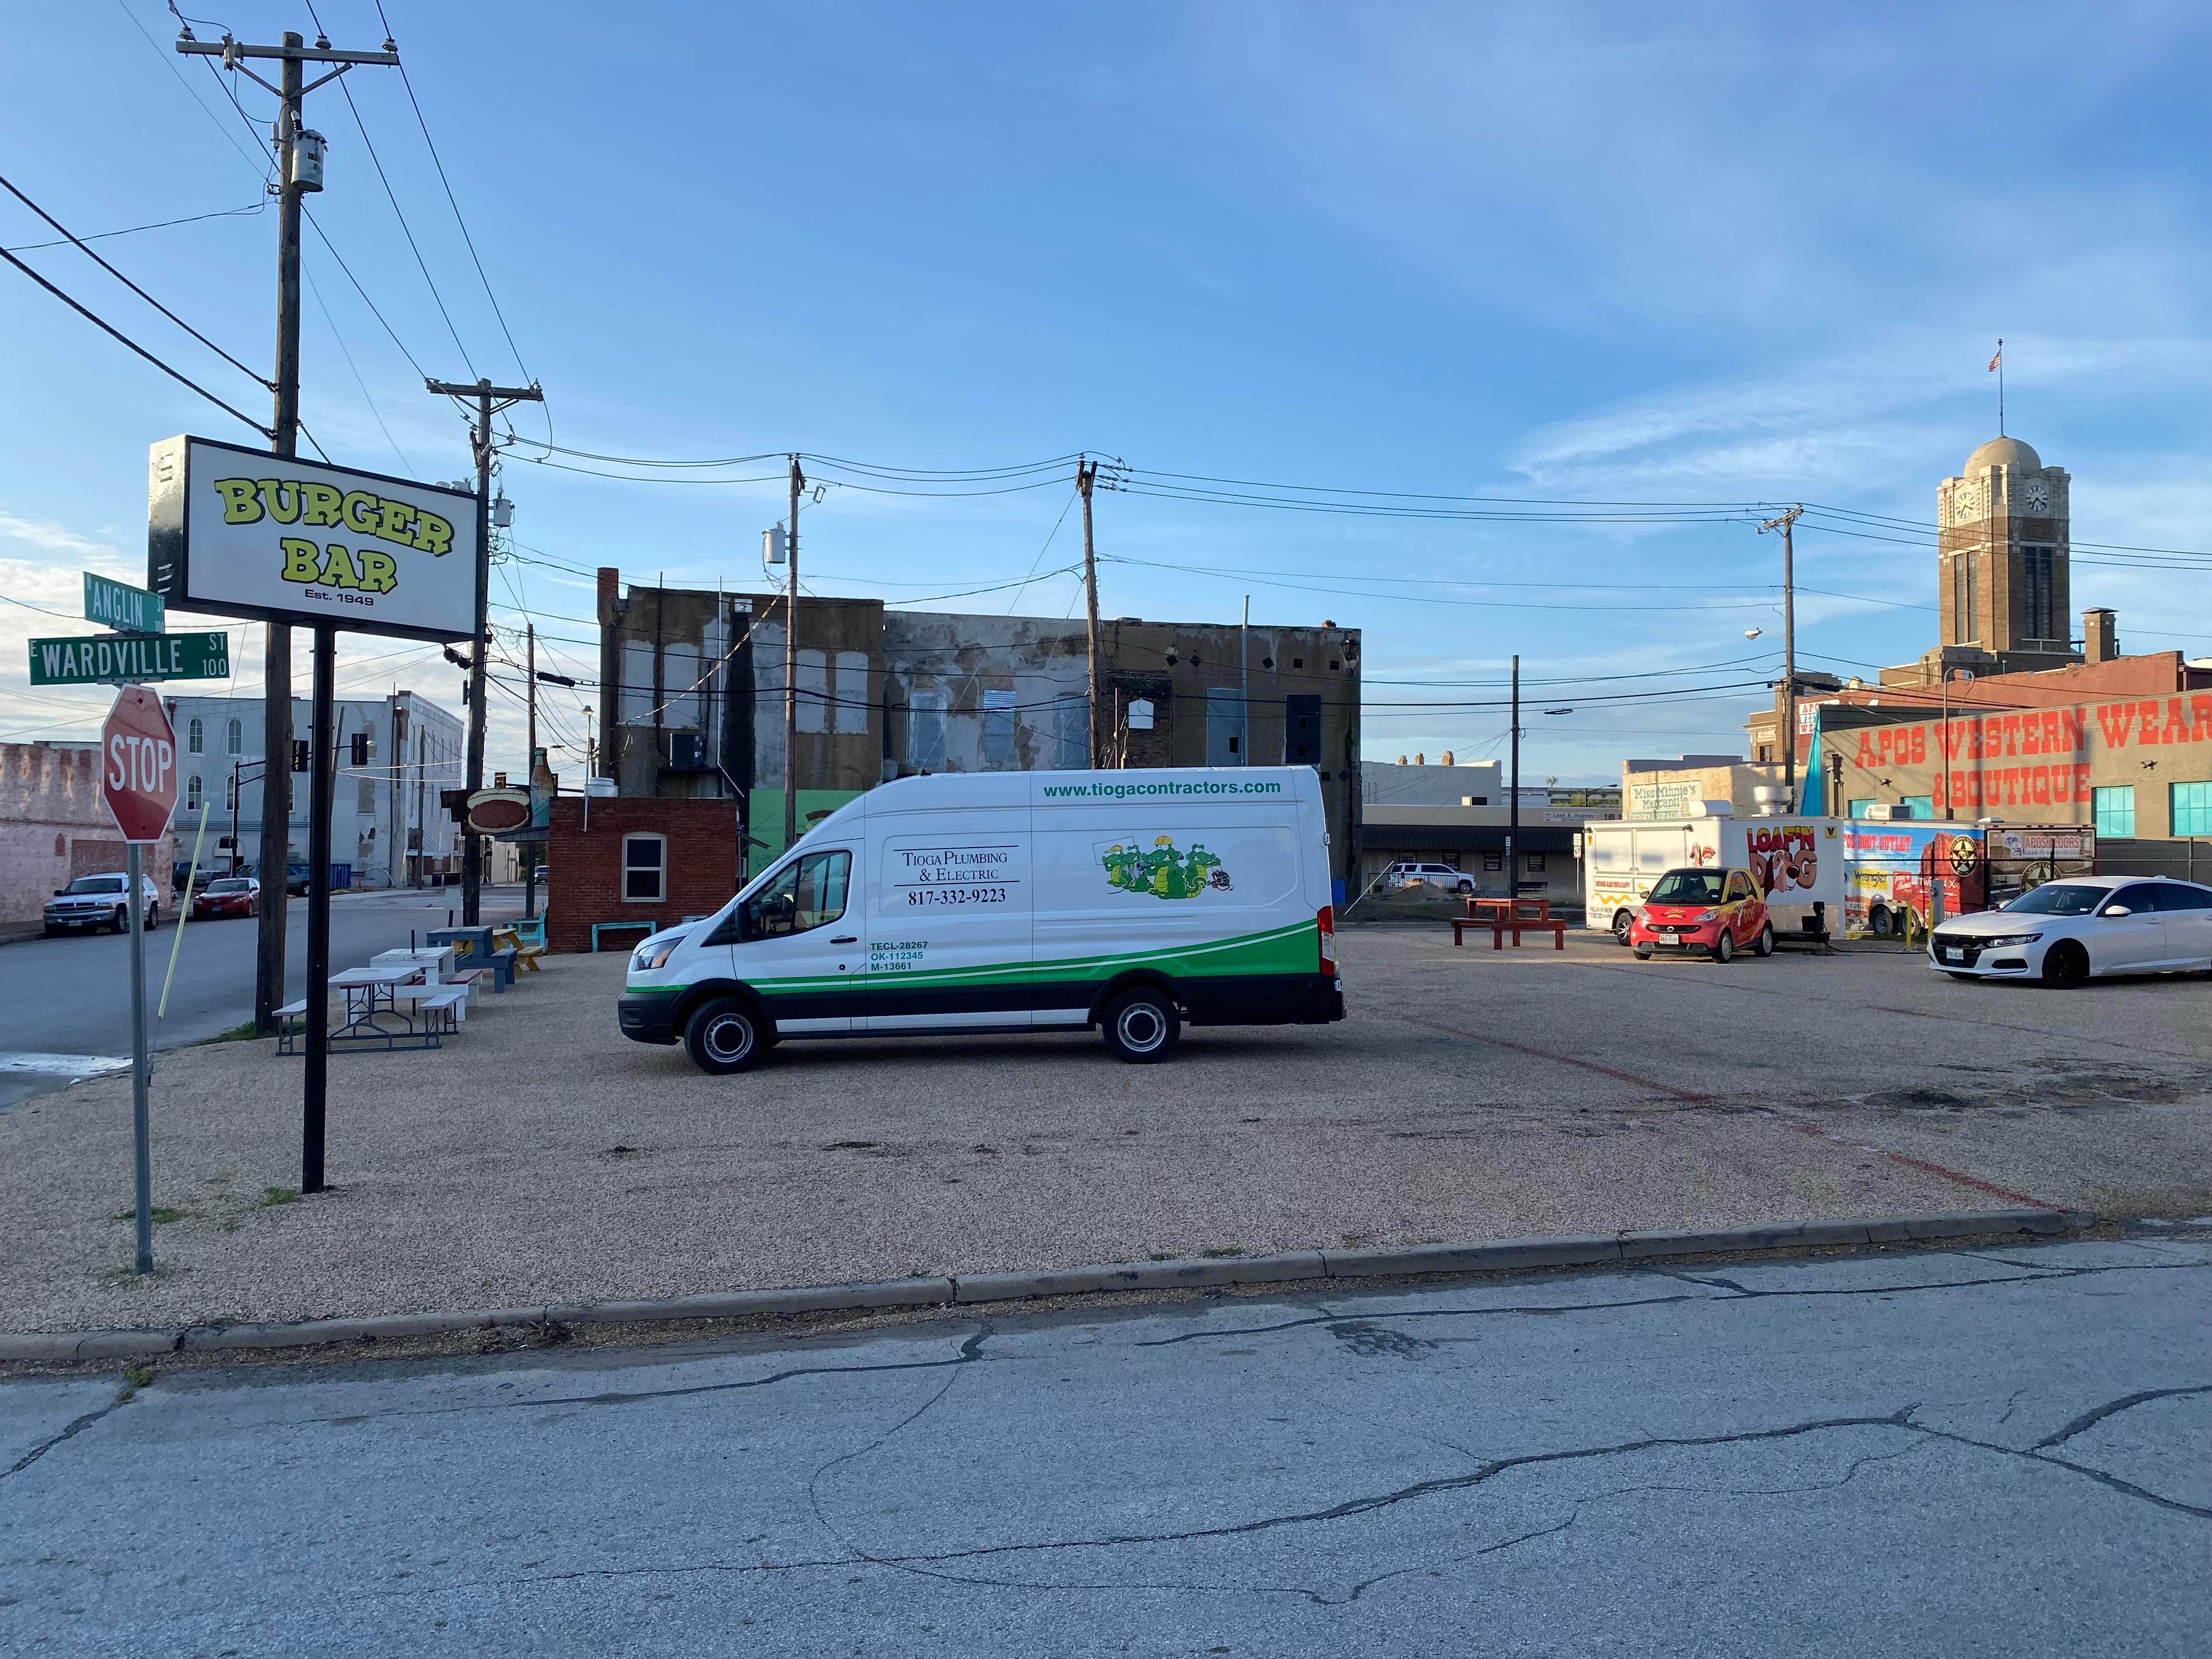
[
  {"x": 2193, "y": 809},
  {"x": 925, "y": 731},
  {"x": 997, "y": 728},
  {"x": 1494, "y": 862},
  {"x": 850, "y": 713},
  {"x": 1921, "y": 806},
  {"x": 193, "y": 793},
  {"x": 1972, "y": 624},
  {"x": 807, "y": 893},
  {"x": 1535, "y": 863},
  {"x": 195, "y": 736},
  {"x": 365, "y": 800},
  {"x": 1225, "y": 727},
  {"x": 2116, "y": 812},
  {"x": 645, "y": 869},
  {"x": 1071, "y": 727},
  {"x": 2042, "y": 619},
  {"x": 1302, "y": 730},
  {"x": 234, "y": 742}
]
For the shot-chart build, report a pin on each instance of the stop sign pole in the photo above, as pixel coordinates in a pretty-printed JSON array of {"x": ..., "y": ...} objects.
[{"x": 138, "y": 781}]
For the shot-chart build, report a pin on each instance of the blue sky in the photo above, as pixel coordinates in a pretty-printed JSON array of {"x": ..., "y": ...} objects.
[{"x": 1647, "y": 254}]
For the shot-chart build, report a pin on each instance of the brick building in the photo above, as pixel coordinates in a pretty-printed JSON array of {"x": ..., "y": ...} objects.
[
  {"x": 54, "y": 828},
  {"x": 645, "y": 863}
]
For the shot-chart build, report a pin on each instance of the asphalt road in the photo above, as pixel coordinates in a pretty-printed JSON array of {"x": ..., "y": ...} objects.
[
  {"x": 1972, "y": 1452},
  {"x": 71, "y": 996}
]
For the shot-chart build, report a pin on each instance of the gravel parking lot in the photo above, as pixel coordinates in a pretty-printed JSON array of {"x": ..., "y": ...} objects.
[{"x": 1473, "y": 1094}]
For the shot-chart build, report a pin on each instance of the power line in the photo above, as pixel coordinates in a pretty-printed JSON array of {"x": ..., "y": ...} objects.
[
  {"x": 110, "y": 328},
  {"x": 132, "y": 230},
  {"x": 11, "y": 188}
]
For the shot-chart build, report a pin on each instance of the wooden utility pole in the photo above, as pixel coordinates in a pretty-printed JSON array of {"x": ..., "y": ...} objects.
[
  {"x": 1086, "y": 474},
  {"x": 791, "y": 663},
  {"x": 299, "y": 170},
  {"x": 489, "y": 400},
  {"x": 1789, "y": 656},
  {"x": 1513, "y": 795}
]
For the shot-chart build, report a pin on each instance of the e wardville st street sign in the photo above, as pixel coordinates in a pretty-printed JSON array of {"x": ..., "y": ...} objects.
[{"x": 83, "y": 660}]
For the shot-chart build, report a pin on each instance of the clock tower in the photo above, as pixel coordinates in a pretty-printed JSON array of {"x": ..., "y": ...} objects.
[{"x": 2002, "y": 558}]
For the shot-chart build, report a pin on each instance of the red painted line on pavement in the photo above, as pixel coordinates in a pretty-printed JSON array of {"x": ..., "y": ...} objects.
[{"x": 1804, "y": 1126}]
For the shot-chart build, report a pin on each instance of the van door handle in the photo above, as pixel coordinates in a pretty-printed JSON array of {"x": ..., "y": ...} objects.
[{"x": 846, "y": 938}]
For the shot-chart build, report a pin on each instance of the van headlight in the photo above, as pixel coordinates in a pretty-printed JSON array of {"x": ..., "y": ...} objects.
[{"x": 654, "y": 952}]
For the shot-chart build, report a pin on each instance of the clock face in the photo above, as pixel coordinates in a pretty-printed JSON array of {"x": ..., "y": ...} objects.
[
  {"x": 2037, "y": 495},
  {"x": 1962, "y": 504}
]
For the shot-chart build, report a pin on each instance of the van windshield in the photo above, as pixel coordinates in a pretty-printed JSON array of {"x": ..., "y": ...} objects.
[{"x": 1688, "y": 887}]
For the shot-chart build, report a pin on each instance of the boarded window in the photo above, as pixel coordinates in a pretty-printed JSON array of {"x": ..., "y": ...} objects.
[
  {"x": 366, "y": 799},
  {"x": 813, "y": 691},
  {"x": 1071, "y": 728},
  {"x": 997, "y": 728},
  {"x": 683, "y": 699},
  {"x": 637, "y": 698},
  {"x": 1225, "y": 727},
  {"x": 925, "y": 731},
  {"x": 852, "y": 699}
]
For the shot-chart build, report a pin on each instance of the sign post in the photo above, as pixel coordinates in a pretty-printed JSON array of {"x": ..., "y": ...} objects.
[
  {"x": 240, "y": 533},
  {"x": 138, "y": 781}
]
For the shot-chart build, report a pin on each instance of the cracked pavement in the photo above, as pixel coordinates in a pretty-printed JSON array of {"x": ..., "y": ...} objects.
[{"x": 1963, "y": 1452}]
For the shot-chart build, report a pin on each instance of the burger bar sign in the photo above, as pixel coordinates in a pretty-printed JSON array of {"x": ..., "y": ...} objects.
[{"x": 240, "y": 532}]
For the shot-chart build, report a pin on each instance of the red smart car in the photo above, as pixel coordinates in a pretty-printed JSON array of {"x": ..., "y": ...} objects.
[{"x": 1714, "y": 912}]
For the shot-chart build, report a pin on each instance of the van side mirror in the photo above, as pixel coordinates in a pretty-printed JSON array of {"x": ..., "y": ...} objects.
[{"x": 2116, "y": 910}]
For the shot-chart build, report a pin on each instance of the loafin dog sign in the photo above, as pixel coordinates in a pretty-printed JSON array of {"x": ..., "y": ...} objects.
[{"x": 240, "y": 532}]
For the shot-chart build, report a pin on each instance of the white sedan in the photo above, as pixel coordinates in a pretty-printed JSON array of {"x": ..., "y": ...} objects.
[{"x": 2064, "y": 932}]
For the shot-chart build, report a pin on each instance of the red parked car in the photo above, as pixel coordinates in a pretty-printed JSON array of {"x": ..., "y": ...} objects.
[
  {"x": 1713, "y": 912},
  {"x": 228, "y": 896}
]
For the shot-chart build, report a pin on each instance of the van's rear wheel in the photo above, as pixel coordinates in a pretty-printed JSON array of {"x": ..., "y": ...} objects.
[
  {"x": 723, "y": 1035},
  {"x": 1142, "y": 1028}
]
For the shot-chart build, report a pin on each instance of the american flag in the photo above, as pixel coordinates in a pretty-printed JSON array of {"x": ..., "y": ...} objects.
[{"x": 1995, "y": 360}]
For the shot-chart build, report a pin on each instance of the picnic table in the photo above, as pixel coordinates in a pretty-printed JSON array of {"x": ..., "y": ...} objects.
[
  {"x": 373, "y": 1018},
  {"x": 1510, "y": 909}
]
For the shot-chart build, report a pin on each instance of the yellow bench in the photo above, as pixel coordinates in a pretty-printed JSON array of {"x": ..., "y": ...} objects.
[{"x": 526, "y": 955}]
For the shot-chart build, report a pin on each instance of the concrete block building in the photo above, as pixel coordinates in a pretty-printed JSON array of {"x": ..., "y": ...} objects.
[{"x": 693, "y": 700}]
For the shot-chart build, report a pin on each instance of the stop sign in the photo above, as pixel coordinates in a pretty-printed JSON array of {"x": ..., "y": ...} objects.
[{"x": 140, "y": 780}]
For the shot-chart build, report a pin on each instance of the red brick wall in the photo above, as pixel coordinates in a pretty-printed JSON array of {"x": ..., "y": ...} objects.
[{"x": 587, "y": 881}]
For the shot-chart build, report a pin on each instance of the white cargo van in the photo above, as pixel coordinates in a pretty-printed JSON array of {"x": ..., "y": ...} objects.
[
  {"x": 1132, "y": 901},
  {"x": 1797, "y": 862}
]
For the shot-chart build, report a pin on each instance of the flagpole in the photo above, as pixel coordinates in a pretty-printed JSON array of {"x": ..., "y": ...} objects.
[{"x": 1999, "y": 385}]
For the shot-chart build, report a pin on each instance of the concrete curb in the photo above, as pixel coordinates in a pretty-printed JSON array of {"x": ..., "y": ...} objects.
[{"x": 963, "y": 1290}]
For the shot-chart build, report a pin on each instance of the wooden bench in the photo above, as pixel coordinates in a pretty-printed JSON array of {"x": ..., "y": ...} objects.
[
  {"x": 1499, "y": 928},
  {"x": 444, "y": 1010},
  {"x": 599, "y": 927}
]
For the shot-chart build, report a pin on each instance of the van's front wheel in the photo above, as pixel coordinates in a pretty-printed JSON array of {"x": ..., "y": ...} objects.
[
  {"x": 1142, "y": 1028},
  {"x": 723, "y": 1035}
]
